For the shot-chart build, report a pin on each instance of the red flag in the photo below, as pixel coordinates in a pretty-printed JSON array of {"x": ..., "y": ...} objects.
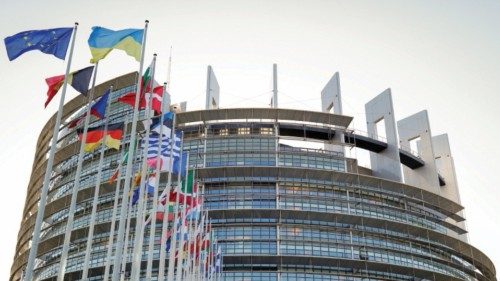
[
  {"x": 54, "y": 84},
  {"x": 160, "y": 215},
  {"x": 190, "y": 200},
  {"x": 114, "y": 176},
  {"x": 130, "y": 100},
  {"x": 76, "y": 121},
  {"x": 79, "y": 80},
  {"x": 155, "y": 99}
]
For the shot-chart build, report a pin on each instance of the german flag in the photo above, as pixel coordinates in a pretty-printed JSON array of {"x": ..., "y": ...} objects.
[{"x": 112, "y": 136}]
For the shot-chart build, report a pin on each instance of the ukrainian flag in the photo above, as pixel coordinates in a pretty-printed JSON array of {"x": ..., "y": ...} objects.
[{"x": 103, "y": 40}]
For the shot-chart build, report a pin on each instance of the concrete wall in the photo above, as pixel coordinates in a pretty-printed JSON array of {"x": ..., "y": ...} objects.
[
  {"x": 412, "y": 127},
  {"x": 446, "y": 168},
  {"x": 385, "y": 164},
  {"x": 213, "y": 89},
  {"x": 331, "y": 99},
  {"x": 330, "y": 95}
]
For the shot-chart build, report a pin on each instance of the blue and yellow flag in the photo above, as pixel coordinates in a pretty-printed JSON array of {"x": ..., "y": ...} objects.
[
  {"x": 49, "y": 41},
  {"x": 103, "y": 40}
]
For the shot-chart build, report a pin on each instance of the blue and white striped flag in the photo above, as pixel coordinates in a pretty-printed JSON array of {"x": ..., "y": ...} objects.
[{"x": 163, "y": 150}]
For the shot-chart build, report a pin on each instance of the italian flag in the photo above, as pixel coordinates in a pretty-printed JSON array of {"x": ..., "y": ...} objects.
[{"x": 146, "y": 80}]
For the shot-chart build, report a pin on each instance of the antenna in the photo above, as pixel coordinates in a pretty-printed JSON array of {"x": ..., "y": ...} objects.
[{"x": 169, "y": 69}]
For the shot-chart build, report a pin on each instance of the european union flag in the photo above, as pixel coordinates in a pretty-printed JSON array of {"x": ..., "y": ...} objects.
[{"x": 50, "y": 41}]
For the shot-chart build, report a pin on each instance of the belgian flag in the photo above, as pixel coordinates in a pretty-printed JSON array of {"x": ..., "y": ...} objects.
[
  {"x": 112, "y": 137},
  {"x": 79, "y": 80}
]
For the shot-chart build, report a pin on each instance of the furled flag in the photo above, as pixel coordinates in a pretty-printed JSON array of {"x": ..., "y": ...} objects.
[
  {"x": 149, "y": 187},
  {"x": 79, "y": 80},
  {"x": 103, "y": 40},
  {"x": 49, "y": 41},
  {"x": 167, "y": 126},
  {"x": 114, "y": 176},
  {"x": 188, "y": 184},
  {"x": 218, "y": 258},
  {"x": 168, "y": 235},
  {"x": 180, "y": 165},
  {"x": 95, "y": 136},
  {"x": 168, "y": 244},
  {"x": 136, "y": 181},
  {"x": 98, "y": 110}
]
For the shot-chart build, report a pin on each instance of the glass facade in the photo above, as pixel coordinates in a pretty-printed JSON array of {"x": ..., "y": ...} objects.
[{"x": 273, "y": 216}]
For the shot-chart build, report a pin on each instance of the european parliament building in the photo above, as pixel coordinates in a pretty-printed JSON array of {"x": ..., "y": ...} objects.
[{"x": 280, "y": 209}]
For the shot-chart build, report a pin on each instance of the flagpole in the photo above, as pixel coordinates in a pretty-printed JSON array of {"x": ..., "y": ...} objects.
[
  {"x": 154, "y": 209},
  {"x": 90, "y": 234},
  {"x": 201, "y": 264},
  {"x": 192, "y": 232},
  {"x": 123, "y": 264},
  {"x": 113, "y": 216},
  {"x": 196, "y": 224},
  {"x": 50, "y": 162},
  {"x": 164, "y": 228},
  {"x": 139, "y": 221},
  {"x": 171, "y": 261},
  {"x": 202, "y": 226},
  {"x": 76, "y": 186},
  {"x": 212, "y": 257},
  {"x": 210, "y": 252},
  {"x": 203, "y": 230},
  {"x": 190, "y": 224},
  {"x": 121, "y": 228},
  {"x": 196, "y": 221},
  {"x": 128, "y": 235},
  {"x": 207, "y": 251},
  {"x": 183, "y": 217}
]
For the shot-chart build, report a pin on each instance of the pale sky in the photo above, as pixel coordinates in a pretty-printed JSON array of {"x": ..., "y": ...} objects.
[{"x": 442, "y": 56}]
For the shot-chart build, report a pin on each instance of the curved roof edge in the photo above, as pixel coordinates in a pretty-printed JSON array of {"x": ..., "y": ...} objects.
[{"x": 263, "y": 113}]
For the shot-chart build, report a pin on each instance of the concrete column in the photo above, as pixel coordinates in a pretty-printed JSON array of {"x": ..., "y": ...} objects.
[
  {"x": 446, "y": 168},
  {"x": 410, "y": 128},
  {"x": 331, "y": 99},
  {"x": 330, "y": 95},
  {"x": 212, "y": 97},
  {"x": 385, "y": 164}
]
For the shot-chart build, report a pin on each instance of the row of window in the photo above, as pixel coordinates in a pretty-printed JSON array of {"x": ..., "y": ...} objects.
[{"x": 259, "y": 201}]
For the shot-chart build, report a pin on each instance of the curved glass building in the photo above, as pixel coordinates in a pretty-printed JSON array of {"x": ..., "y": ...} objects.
[{"x": 285, "y": 201}]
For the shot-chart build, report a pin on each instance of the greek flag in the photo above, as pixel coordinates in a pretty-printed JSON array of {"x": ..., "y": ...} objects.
[{"x": 163, "y": 150}]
